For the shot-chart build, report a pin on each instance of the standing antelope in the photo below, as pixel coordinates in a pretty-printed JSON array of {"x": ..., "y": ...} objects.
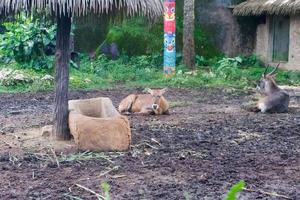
[
  {"x": 276, "y": 99},
  {"x": 152, "y": 103}
]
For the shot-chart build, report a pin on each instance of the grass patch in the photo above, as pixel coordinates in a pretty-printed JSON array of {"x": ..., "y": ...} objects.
[
  {"x": 178, "y": 104},
  {"x": 146, "y": 71}
]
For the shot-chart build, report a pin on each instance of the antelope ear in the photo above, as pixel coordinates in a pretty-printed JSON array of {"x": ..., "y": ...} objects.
[
  {"x": 164, "y": 90},
  {"x": 148, "y": 90}
]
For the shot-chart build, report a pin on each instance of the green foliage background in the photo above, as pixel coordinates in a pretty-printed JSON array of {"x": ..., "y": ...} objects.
[
  {"x": 140, "y": 65},
  {"x": 137, "y": 36},
  {"x": 240, "y": 73},
  {"x": 25, "y": 41}
]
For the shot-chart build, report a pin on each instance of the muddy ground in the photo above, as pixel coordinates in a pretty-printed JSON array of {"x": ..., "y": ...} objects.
[{"x": 208, "y": 143}]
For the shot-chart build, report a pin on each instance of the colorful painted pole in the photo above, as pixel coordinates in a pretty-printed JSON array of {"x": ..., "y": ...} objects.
[{"x": 169, "y": 37}]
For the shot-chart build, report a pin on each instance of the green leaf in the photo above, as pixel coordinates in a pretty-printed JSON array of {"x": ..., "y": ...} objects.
[
  {"x": 106, "y": 188},
  {"x": 30, "y": 44},
  {"x": 239, "y": 59},
  {"x": 46, "y": 41},
  {"x": 27, "y": 50},
  {"x": 186, "y": 196},
  {"x": 234, "y": 190},
  {"x": 24, "y": 41}
]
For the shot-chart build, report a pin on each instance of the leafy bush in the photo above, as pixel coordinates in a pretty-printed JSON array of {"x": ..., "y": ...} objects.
[
  {"x": 201, "y": 61},
  {"x": 89, "y": 32},
  {"x": 146, "y": 71},
  {"x": 203, "y": 45},
  {"x": 228, "y": 68},
  {"x": 30, "y": 80},
  {"x": 250, "y": 61},
  {"x": 10, "y": 77},
  {"x": 127, "y": 69},
  {"x": 26, "y": 41},
  {"x": 135, "y": 38},
  {"x": 42, "y": 84}
]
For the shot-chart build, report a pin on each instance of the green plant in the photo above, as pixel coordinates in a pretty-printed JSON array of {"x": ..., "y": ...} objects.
[
  {"x": 135, "y": 38},
  {"x": 227, "y": 67},
  {"x": 250, "y": 61},
  {"x": 234, "y": 68},
  {"x": 26, "y": 41},
  {"x": 105, "y": 188},
  {"x": 141, "y": 68},
  {"x": 146, "y": 71},
  {"x": 186, "y": 196},
  {"x": 203, "y": 44},
  {"x": 11, "y": 77},
  {"x": 201, "y": 61},
  {"x": 234, "y": 190},
  {"x": 41, "y": 84}
]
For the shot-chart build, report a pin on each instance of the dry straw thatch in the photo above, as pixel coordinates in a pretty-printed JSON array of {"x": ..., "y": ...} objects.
[
  {"x": 268, "y": 7},
  {"x": 83, "y": 7}
]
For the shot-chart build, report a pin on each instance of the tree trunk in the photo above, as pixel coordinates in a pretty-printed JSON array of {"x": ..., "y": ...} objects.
[
  {"x": 62, "y": 55},
  {"x": 188, "y": 33}
]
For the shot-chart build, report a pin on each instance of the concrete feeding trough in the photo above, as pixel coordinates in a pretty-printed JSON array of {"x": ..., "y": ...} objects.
[{"x": 97, "y": 126}]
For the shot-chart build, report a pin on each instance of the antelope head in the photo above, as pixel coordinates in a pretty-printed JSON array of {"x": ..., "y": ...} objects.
[
  {"x": 156, "y": 97},
  {"x": 267, "y": 84}
]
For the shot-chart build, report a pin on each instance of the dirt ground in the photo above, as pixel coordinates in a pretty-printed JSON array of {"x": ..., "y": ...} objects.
[{"x": 207, "y": 143}]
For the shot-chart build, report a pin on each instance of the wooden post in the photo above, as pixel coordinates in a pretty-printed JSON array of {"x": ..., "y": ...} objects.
[
  {"x": 188, "y": 34},
  {"x": 61, "y": 130}
]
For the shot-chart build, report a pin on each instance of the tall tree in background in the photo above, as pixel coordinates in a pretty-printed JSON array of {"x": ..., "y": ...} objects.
[{"x": 188, "y": 33}]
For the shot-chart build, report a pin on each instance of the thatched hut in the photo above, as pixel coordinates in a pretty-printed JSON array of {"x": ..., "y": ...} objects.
[
  {"x": 64, "y": 10},
  {"x": 278, "y": 30}
]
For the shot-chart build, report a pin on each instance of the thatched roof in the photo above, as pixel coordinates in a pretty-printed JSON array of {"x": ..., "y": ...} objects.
[
  {"x": 83, "y": 7},
  {"x": 267, "y": 7}
]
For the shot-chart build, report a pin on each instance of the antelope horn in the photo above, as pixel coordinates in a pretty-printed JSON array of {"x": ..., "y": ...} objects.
[
  {"x": 265, "y": 72},
  {"x": 274, "y": 70}
]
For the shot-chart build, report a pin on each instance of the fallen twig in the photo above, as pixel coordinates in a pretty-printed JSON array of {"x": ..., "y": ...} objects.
[
  {"x": 157, "y": 142},
  {"x": 146, "y": 144},
  {"x": 267, "y": 193},
  {"x": 91, "y": 191},
  {"x": 119, "y": 176},
  {"x": 153, "y": 147},
  {"x": 115, "y": 168},
  {"x": 73, "y": 197}
]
